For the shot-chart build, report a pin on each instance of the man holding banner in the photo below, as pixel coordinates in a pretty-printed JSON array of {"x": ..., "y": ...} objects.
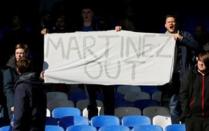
[
  {"x": 186, "y": 49},
  {"x": 89, "y": 23}
]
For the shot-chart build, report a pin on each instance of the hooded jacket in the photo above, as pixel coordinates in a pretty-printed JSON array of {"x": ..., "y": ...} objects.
[
  {"x": 194, "y": 94},
  {"x": 30, "y": 103}
]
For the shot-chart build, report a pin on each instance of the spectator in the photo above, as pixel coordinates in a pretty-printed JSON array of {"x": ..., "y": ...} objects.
[
  {"x": 194, "y": 95},
  {"x": 59, "y": 25},
  {"x": 30, "y": 99},
  {"x": 10, "y": 75},
  {"x": 89, "y": 23},
  {"x": 186, "y": 49},
  {"x": 202, "y": 36}
]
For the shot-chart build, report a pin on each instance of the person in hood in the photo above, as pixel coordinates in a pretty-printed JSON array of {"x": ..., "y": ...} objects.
[
  {"x": 30, "y": 99},
  {"x": 10, "y": 75},
  {"x": 194, "y": 95}
]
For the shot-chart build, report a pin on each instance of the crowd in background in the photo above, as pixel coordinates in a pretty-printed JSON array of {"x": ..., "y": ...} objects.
[{"x": 24, "y": 23}]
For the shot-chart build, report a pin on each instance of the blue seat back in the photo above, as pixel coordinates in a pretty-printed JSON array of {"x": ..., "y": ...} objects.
[
  {"x": 6, "y": 128},
  {"x": 135, "y": 120},
  {"x": 73, "y": 120},
  {"x": 176, "y": 127},
  {"x": 147, "y": 128},
  {"x": 114, "y": 128},
  {"x": 81, "y": 128},
  {"x": 60, "y": 112},
  {"x": 104, "y": 120},
  {"x": 53, "y": 128},
  {"x": 146, "y": 103}
]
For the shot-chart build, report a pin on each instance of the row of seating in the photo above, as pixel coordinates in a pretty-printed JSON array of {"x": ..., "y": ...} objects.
[
  {"x": 129, "y": 97},
  {"x": 82, "y": 104},
  {"x": 141, "y": 92},
  {"x": 158, "y": 115},
  {"x": 173, "y": 127},
  {"x": 119, "y": 111},
  {"x": 123, "y": 95},
  {"x": 76, "y": 93},
  {"x": 104, "y": 120}
]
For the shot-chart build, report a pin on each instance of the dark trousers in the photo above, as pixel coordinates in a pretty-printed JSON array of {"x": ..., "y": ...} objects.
[
  {"x": 197, "y": 124},
  {"x": 108, "y": 99},
  {"x": 174, "y": 103}
]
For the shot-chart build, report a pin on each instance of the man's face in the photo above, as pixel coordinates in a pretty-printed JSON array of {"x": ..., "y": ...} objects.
[
  {"x": 60, "y": 22},
  {"x": 170, "y": 24},
  {"x": 87, "y": 14},
  {"x": 19, "y": 53}
]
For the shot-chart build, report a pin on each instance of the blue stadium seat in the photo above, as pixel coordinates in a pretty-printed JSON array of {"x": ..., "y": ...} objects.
[
  {"x": 124, "y": 111},
  {"x": 73, "y": 120},
  {"x": 77, "y": 95},
  {"x": 114, "y": 128},
  {"x": 53, "y": 128},
  {"x": 60, "y": 112},
  {"x": 81, "y": 128},
  {"x": 135, "y": 120},
  {"x": 149, "y": 89},
  {"x": 147, "y": 128},
  {"x": 146, "y": 103},
  {"x": 104, "y": 120},
  {"x": 6, "y": 128},
  {"x": 176, "y": 127}
]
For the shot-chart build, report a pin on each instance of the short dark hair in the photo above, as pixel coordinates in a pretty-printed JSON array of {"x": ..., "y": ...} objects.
[
  {"x": 22, "y": 46},
  {"x": 204, "y": 57},
  {"x": 175, "y": 17},
  {"x": 23, "y": 65},
  {"x": 170, "y": 15}
]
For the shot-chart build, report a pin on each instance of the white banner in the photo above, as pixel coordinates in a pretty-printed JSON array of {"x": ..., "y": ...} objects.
[{"x": 109, "y": 58}]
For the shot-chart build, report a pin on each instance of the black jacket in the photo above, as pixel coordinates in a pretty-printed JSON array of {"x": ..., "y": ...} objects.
[
  {"x": 187, "y": 49},
  {"x": 30, "y": 104},
  {"x": 9, "y": 77},
  {"x": 194, "y": 94},
  {"x": 185, "y": 53}
]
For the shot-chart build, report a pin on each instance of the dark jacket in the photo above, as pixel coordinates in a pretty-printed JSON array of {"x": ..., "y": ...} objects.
[
  {"x": 186, "y": 50},
  {"x": 30, "y": 104},
  {"x": 97, "y": 25},
  {"x": 4, "y": 118},
  {"x": 9, "y": 78},
  {"x": 194, "y": 94}
]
